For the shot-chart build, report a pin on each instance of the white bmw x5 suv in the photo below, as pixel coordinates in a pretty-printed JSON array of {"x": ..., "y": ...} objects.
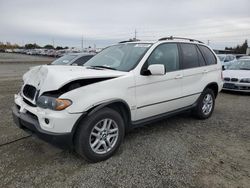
[{"x": 90, "y": 108}]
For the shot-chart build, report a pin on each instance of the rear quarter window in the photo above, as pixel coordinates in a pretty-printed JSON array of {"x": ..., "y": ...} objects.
[
  {"x": 200, "y": 57},
  {"x": 208, "y": 55}
]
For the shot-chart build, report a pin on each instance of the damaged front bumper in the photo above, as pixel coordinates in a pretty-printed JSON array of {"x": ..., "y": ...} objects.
[
  {"x": 45, "y": 124},
  {"x": 30, "y": 124}
]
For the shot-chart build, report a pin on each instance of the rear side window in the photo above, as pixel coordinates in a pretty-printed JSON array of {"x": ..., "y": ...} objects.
[
  {"x": 190, "y": 57},
  {"x": 82, "y": 60},
  {"x": 232, "y": 57},
  {"x": 64, "y": 60},
  {"x": 208, "y": 55}
]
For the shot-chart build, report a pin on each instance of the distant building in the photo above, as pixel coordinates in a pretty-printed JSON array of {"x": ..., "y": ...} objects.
[
  {"x": 248, "y": 51},
  {"x": 223, "y": 51}
]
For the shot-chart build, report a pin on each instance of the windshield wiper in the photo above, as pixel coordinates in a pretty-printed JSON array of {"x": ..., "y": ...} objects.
[{"x": 104, "y": 67}]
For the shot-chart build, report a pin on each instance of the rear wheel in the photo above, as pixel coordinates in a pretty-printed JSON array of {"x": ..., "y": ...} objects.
[
  {"x": 205, "y": 106},
  {"x": 100, "y": 135}
]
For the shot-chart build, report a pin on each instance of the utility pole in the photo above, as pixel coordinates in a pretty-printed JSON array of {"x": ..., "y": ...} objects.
[
  {"x": 82, "y": 43},
  {"x": 53, "y": 42},
  {"x": 208, "y": 42},
  {"x": 135, "y": 34}
]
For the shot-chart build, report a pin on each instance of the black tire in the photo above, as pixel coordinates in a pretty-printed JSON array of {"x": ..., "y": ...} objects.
[
  {"x": 198, "y": 112},
  {"x": 85, "y": 127}
]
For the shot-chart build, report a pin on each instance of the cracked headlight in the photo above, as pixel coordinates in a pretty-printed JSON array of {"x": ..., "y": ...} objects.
[{"x": 53, "y": 103}]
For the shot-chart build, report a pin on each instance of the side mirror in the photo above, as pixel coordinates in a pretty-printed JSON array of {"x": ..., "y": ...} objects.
[
  {"x": 223, "y": 67},
  {"x": 157, "y": 69}
]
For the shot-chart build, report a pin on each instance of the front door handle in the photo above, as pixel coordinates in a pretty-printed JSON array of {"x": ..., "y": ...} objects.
[
  {"x": 205, "y": 71},
  {"x": 179, "y": 76}
]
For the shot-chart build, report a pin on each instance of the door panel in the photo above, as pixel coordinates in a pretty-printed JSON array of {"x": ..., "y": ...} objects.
[
  {"x": 193, "y": 72},
  {"x": 159, "y": 94},
  {"x": 192, "y": 79},
  {"x": 156, "y": 94}
]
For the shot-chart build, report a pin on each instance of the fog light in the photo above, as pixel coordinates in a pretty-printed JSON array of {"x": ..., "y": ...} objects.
[{"x": 46, "y": 120}]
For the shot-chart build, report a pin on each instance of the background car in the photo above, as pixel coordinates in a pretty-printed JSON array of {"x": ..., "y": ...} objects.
[
  {"x": 73, "y": 59},
  {"x": 237, "y": 76},
  {"x": 227, "y": 59}
]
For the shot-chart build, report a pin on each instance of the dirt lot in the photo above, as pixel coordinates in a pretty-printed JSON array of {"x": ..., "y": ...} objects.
[{"x": 178, "y": 152}]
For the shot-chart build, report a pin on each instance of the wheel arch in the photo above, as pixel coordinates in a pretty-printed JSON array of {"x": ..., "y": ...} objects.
[
  {"x": 214, "y": 86},
  {"x": 118, "y": 104}
]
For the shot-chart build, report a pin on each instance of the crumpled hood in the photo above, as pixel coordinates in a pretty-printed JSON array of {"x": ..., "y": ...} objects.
[
  {"x": 236, "y": 74},
  {"x": 48, "y": 78}
]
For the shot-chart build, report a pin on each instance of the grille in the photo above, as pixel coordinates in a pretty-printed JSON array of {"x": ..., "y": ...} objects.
[
  {"x": 229, "y": 86},
  {"x": 29, "y": 91},
  {"x": 28, "y": 102},
  {"x": 234, "y": 79},
  {"x": 18, "y": 107},
  {"x": 33, "y": 116},
  {"x": 227, "y": 79}
]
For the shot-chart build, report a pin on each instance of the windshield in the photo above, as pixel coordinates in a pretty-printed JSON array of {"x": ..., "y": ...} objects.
[
  {"x": 64, "y": 60},
  {"x": 221, "y": 57},
  {"x": 240, "y": 65},
  {"x": 122, "y": 57}
]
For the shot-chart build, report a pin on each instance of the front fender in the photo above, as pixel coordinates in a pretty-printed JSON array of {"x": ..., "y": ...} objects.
[{"x": 87, "y": 97}]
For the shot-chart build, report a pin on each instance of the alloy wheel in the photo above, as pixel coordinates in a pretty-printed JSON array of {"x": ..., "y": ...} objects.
[
  {"x": 104, "y": 136},
  {"x": 207, "y": 104}
]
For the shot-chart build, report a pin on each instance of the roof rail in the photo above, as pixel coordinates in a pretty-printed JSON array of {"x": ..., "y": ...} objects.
[
  {"x": 172, "y": 38},
  {"x": 130, "y": 40}
]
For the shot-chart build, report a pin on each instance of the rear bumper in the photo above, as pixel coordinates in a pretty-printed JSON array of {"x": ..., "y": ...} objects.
[{"x": 30, "y": 124}]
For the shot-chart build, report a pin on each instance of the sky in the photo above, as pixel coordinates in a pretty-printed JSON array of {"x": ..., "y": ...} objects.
[{"x": 104, "y": 22}]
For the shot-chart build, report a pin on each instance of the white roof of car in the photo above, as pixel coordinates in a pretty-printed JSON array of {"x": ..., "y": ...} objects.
[
  {"x": 161, "y": 41},
  {"x": 167, "y": 39}
]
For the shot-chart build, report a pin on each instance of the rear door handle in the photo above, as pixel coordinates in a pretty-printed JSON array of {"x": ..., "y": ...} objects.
[
  {"x": 205, "y": 71},
  {"x": 179, "y": 76}
]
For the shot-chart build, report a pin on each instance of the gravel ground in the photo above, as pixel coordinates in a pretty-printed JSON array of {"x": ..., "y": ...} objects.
[{"x": 178, "y": 152}]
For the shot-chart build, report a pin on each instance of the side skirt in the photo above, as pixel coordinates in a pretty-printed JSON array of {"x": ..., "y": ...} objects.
[{"x": 159, "y": 117}]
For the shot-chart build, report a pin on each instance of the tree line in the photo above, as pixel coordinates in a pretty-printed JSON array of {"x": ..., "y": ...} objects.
[
  {"x": 239, "y": 49},
  {"x": 8, "y": 45}
]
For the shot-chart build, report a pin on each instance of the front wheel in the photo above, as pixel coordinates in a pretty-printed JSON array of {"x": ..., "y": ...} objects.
[
  {"x": 100, "y": 135},
  {"x": 205, "y": 106}
]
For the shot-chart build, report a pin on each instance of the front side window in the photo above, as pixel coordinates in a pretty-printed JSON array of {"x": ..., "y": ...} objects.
[
  {"x": 227, "y": 59},
  {"x": 221, "y": 57},
  {"x": 190, "y": 57},
  {"x": 208, "y": 55},
  {"x": 167, "y": 55},
  {"x": 122, "y": 57}
]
